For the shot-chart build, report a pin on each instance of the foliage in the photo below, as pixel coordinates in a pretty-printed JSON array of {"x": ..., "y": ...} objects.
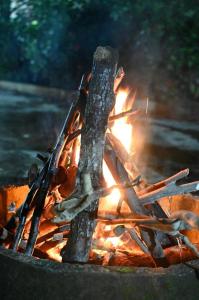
[{"x": 44, "y": 41}]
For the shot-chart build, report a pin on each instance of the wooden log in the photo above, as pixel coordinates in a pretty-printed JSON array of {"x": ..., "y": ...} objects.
[
  {"x": 98, "y": 107},
  {"x": 170, "y": 189},
  {"x": 128, "y": 163},
  {"x": 148, "y": 236}
]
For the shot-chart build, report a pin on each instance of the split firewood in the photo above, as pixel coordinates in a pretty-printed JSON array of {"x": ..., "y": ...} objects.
[
  {"x": 128, "y": 163},
  {"x": 130, "y": 196}
]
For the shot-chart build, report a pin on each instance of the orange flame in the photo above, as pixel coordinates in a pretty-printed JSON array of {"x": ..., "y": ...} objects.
[
  {"x": 123, "y": 132},
  {"x": 121, "y": 129}
]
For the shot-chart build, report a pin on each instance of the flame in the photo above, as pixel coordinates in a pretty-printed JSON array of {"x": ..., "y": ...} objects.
[
  {"x": 115, "y": 241},
  {"x": 123, "y": 132},
  {"x": 54, "y": 252},
  {"x": 121, "y": 129},
  {"x": 77, "y": 150},
  {"x": 113, "y": 198}
]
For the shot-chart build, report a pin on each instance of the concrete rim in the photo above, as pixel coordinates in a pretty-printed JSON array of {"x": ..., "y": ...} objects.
[{"x": 56, "y": 267}]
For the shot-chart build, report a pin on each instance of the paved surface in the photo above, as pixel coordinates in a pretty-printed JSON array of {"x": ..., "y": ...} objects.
[{"x": 165, "y": 143}]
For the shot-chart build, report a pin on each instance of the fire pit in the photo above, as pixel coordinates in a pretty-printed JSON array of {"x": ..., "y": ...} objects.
[
  {"x": 90, "y": 204},
  {"x": 24, "y": 277}
]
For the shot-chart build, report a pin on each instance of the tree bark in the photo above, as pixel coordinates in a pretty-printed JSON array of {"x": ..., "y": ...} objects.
[{"x": 98, "y": 107}]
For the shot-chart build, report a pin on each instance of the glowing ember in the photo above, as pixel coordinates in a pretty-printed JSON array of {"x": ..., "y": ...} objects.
[{"x": 54, "y": 253}]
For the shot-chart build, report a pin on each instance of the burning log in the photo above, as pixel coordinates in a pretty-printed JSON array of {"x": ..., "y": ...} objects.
[
  {"x": 149, "y": 237},
  {"x": 98, "y": 107},
  {"x": 128, "y": 163}
]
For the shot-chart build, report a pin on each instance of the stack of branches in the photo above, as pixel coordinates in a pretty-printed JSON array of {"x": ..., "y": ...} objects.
[{"x": 62, "y": 204}]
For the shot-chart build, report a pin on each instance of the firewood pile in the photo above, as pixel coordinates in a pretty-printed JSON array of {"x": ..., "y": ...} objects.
[{"x": 89, "y": 202}]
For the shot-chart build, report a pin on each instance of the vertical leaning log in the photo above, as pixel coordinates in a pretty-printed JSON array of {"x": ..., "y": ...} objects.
[{"x": 99, "y": 104}]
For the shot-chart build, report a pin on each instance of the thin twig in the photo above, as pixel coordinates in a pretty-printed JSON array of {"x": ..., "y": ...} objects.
[{"x": 127, "y": 113}]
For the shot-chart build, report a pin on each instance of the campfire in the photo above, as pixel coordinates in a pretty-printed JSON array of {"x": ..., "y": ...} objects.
[{"x": 89, "y": 203}]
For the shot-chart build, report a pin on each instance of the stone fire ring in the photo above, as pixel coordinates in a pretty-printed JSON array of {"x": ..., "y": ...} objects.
[{"x": 23, "y": 277}]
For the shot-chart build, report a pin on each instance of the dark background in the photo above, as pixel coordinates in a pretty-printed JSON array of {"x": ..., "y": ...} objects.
[{"x": 51, "y": 43}]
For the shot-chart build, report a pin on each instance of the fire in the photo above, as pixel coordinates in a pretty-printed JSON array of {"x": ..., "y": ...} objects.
[
  {"x": 77, "y": 151},
  {"x": 123, "y": 132},
  {"x": 54, "y": 252},
  {"x": 113, "y": 198},
  {"x": 103, "y": 240},
  {"x": 121, "y": 129}
]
